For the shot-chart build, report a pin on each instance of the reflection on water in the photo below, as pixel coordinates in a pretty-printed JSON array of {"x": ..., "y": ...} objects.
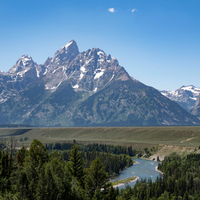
[{"x": 144, "y": 169}]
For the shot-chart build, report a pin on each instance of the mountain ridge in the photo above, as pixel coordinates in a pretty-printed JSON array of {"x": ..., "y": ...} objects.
[
  {"x": 86, "y": 88},
  {"x": 185, "y": 96}
]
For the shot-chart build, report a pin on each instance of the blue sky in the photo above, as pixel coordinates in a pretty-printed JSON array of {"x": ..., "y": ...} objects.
[{"x": 158, "y": 44}]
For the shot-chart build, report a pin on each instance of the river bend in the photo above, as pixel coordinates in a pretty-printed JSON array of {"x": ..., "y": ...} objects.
[{"x": 144, "y": 168}]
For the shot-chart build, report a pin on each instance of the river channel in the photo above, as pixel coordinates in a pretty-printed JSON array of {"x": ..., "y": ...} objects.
[{"x": 143, "y": 168}]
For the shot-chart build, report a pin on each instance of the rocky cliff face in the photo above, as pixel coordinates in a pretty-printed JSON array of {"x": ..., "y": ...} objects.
[{"x": 82, "y": 89}]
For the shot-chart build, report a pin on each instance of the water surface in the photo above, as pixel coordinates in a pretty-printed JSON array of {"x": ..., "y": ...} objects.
[{"x": 144, "y": 169}]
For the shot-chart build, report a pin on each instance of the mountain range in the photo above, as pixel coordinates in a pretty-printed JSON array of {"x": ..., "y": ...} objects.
[
  {"x": 185, "y": 96},
  {"x": 87, "y": 88}
]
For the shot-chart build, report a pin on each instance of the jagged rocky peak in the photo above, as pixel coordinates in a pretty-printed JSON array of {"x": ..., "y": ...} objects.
[
  {"x": 71, "y": 46},
  {"x": 47, "y": 62},
  {"x": 96, "y": 59},
  {"x": 97, "y": 63},
  {"x": 23, "y": 62},
  {"x": 101, "y": 55},
  {"x": 66, "y": 53}
]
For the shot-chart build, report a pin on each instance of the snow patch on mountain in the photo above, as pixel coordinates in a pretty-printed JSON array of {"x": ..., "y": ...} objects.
[
  {"x": 193, "y": 98},
  {"x": 38, "y": 73},
  {"x": 76, "y": 86},
  {"x": 98, "y": 73},
  {"x": 192, "y": 89},
  {"x": 45, "y": 72},
  {"x": 100, "y": 53},
  {"x": 21, "y": 73},
  {"x": 25, "y": 60},
  {"x": 81, "y": 76},
  {"x": 83, "y": 69},
  {"x": 112, "y": 77}
]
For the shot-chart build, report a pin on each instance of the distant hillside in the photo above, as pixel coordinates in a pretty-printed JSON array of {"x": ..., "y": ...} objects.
[{"x": 14, "y": 125}]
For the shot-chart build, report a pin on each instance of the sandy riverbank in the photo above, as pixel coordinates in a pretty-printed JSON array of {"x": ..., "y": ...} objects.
[
  {"x": 120, "y": 184},
  {"x": 156, "y": 168},
  {"x": 136, "y": 162}
]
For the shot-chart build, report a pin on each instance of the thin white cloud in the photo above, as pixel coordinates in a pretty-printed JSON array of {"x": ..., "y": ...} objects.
[
  {"x": 133, "y": 10},
  {"x": 112, "y": 10}
]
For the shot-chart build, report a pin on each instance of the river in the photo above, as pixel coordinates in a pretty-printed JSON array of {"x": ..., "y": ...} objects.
[{"x": 144, "y": 168}]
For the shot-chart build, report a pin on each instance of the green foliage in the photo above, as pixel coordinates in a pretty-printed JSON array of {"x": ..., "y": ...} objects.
[
  {"x": 112, "y": 194},
  {"x": 42, "y": 176},
  {"x": 158, "y": 158},
  {"x": 113, "y": 163},
  {"x": 10, "y": 196},
  {"x": 76, "y": 164},
  {"x": 22, "y": 153},
  {"x": 96, "y": 179},
  {"x": 164, "y": 196},
  {"x": 5, "y": 171},
  {"x": 94, "y": 147},
  {"x": 38, "y": 174},
  {"x": 38, "y": 153}
]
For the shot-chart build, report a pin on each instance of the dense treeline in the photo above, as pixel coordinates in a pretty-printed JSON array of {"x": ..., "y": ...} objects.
[
  {"x": 113, "y": 163},
  {"x": 95, "y": 147},
  {"x": 114, "y": 158},
  {"x": 183, "y": 175},
  {"x": 36, "y": 174},
  {"x": 39, "y": 174}
]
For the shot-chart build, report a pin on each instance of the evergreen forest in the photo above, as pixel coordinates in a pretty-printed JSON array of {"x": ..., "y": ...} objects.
[{"x": 82, "y": 172}]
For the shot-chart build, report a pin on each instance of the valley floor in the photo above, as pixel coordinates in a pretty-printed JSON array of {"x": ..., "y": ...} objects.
[{"x": 183, "y": 140}]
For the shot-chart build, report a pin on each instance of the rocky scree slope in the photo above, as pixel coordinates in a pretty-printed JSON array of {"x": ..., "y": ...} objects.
[{"x": 82, "y": 89}]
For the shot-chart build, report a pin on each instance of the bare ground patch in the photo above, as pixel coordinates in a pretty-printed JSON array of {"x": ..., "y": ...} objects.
[{"x": 168, "y": 149}]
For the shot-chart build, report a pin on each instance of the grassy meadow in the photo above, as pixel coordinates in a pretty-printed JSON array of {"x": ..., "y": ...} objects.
[{"x": 136, "y": 136}]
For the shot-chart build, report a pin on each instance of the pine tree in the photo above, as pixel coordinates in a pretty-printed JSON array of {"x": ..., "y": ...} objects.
[
  {"x": 21, "y": 154},
  {"x": 76, "y": 165},
  {"x": 38, "y": 153},
  {"x": 111, "y": 194},
  {"x": 96, "y": 178},
  {"x": 22, "y": 184}
]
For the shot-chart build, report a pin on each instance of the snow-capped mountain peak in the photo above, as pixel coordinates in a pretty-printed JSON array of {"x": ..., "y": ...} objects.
[
  {"x": 88, "y": 71},
  {"x": 24, "y": 62},
  {"x": 186, "y": 96},
  {"x": 82, "y": 89},
  {"x": 192, "y": 89}
]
